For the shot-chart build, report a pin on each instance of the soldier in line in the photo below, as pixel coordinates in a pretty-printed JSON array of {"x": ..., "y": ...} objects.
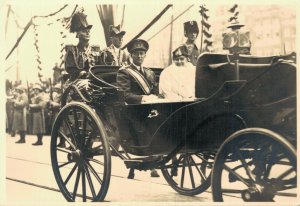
[
  {"x": 37, "y": 109},
  {"x": 20, "y": 103},
  {"x": 137, "y": 81},
  {"x": 55, "y": 107},
  {"x": 114, "y": 55},
  {"x": 10, "y": 95},
  {"x": 191, "y": 32},
  {"x": 56, "y": 74}
]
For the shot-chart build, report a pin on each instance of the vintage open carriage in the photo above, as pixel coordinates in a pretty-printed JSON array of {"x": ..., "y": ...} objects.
[{"x": 238, "y": 136}]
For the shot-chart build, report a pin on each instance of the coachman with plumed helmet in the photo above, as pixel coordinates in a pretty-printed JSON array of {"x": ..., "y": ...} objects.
[{"x": 80, "y": 58}]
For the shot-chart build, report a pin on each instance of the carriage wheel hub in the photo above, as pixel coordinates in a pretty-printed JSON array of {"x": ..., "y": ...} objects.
[
  {"x": 76, "y": 155},
  {"x": 252, "y": 194}
]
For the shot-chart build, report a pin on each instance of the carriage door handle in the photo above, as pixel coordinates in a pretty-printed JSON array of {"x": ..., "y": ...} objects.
[{"x": 153, "y": 113}]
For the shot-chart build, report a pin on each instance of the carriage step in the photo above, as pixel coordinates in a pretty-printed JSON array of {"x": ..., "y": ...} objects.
[{"x": 143, "y": 163}]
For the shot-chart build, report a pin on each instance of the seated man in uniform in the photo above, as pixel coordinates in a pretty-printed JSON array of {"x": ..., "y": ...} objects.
[
  {"x": 114, "y": 55},
  {"x": 177, "y": 81},
  {"x": 137, "y": 81}
]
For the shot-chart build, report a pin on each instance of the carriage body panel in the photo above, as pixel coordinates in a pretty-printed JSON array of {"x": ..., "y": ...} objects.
[
  {"x": 242, "y": 119},
  {"x": 264, "y": 97}
]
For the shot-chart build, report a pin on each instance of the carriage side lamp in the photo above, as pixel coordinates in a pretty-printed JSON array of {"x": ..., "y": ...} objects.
[{"x": 237, "y": 42}]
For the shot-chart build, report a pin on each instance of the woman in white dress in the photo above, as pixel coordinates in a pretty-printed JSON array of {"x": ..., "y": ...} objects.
[{"x": 177, "y": 81}]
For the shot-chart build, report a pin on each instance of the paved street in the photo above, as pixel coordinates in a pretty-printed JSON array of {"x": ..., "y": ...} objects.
[
  {"x": 29, "y": 178},
  {"x": 30, "y": 181}
]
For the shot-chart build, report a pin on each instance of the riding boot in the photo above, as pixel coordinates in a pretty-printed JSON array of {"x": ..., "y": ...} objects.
[
  {"x": 154, "y": 173},
  {"x": 131, "y": 174},
  {"x": 39, "y": 140},
  {"x": 62, "y": 142},
  {"x": 22, "y": 137},
  {"x": 13, "y": 133}
]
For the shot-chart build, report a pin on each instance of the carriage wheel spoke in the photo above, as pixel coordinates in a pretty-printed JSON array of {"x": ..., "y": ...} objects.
[
  {"x": 94, "y": 172},
  {"x": 245, "y": 165},
  {"x": 236, "y": 175},
  {"x": 64, "y": 164},
  {"x": 77, "y": 126},
  {"x": 84, "y": 124},
  {"x": 199, "y": 171},
  {"x": 191, "y": 172},
  {"x": 174, "y": 165},
  {"x": 67, "y": 139},
  {"x": 89, "y": 180},
  {"x": 183, "y": 171},
  {"x": 96, "y": 161},
  {"x": 83, "y": 186},
  {"x": 203, "y": 159},
  {"x": 71, "y": 131},
  {"x": 286, "y": 173},
  {"x": 76, "y": 183},
  {"x": 70, "y": 174},
  {"x": 63, "y": 150}
]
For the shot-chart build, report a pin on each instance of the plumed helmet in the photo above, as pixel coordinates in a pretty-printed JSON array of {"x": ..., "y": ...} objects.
[
  {"x": 191, "y": 26},
  {"x": 79, "y": 22},
  {"x": 116, "y": 31},
  {"x": 137, "y": 44},
  {"x": 180, "y": 51}
]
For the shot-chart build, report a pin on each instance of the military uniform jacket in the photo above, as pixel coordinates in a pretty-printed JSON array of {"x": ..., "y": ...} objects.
[
  {"x": 132, "y": 89},
  {"x": 77, "y": 61},
  {"x": 39, "y": 104},
  {"x": 193, "y": 53},
  {"x": 19, "y": 115},
  {"x": 119, "y": 57}
]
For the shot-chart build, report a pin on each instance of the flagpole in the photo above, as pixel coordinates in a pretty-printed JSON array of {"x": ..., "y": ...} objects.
[
  {"x": 171, "y": 39},
  {"x": 201, "y": 34}
]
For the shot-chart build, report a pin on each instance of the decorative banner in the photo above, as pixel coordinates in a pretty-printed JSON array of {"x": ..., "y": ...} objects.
[
  {"x": 38, "y": 58},
  {"x": 205, "y": 34},
  {"x": 235, "y": 12}
]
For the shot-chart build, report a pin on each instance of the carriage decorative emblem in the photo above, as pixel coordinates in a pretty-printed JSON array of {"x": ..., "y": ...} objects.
[{"x": 153, "y": 113}]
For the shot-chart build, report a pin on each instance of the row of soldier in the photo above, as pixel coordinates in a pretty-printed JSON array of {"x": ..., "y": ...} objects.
[{"x": 32, "y": 110}]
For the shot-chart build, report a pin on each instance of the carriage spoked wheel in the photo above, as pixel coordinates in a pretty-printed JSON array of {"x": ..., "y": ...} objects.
[
  {"x": 189, "y": 173},
  {"x": 82, "y": 169},
  {"x": 257, "y": 165}
]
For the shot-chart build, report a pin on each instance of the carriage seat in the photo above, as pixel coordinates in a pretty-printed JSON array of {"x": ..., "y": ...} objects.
[
  {"x": 105, "y": 73},
  {"x": 214, "y": 69},
  {"x": 109, "y": 73}
]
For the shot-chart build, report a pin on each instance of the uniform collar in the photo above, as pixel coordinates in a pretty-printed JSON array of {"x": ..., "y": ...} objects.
[
  {"x": 112, "y": 46},
  {"x": 192, "y": 44},
  {"x": 137, "y": 67}
]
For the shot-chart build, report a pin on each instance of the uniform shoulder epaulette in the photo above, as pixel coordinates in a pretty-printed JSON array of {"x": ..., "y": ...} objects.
[{"x": 69, "y": 47}]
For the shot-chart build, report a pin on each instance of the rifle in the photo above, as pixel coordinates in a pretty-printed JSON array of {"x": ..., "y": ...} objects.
[
  {"x": 51, "y": 90},
  {"x": 28, "y": 94},
  {"x": 30, "y": 116}
]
